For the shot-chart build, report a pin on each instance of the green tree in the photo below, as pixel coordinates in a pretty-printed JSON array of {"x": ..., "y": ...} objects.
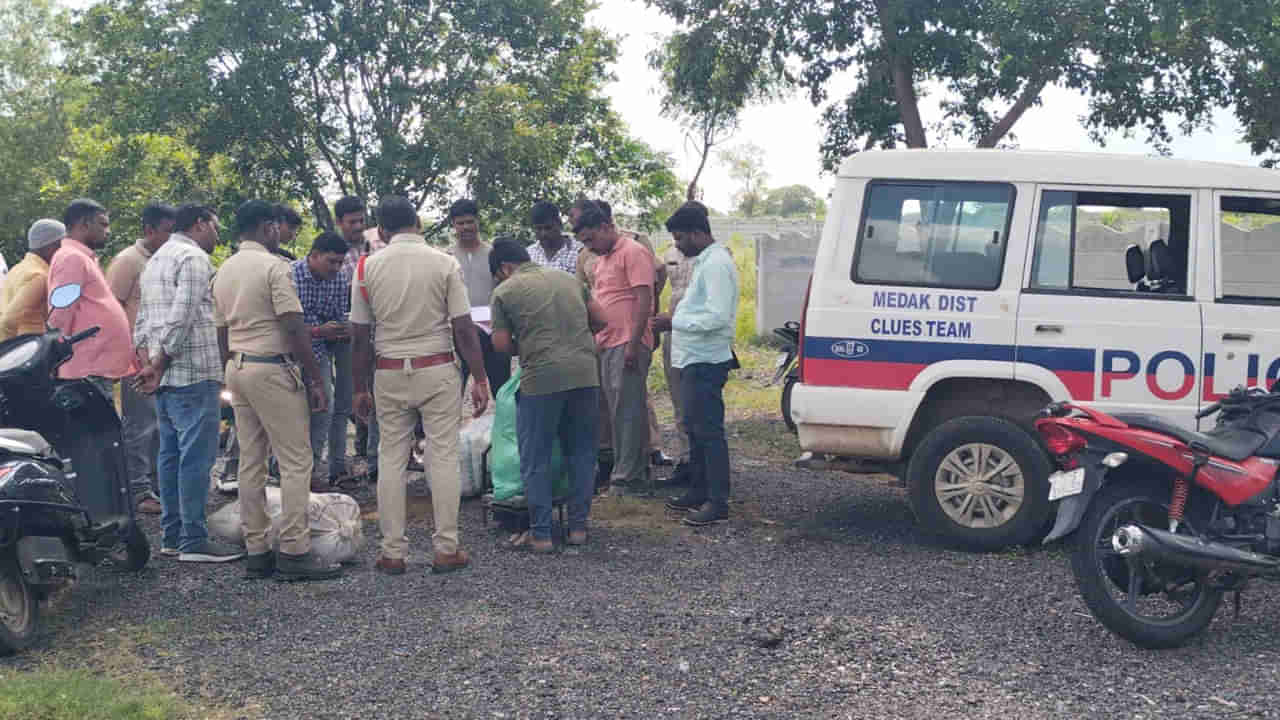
[
  {"x": 428, "y": 100},
  {"x": 706, "y": 86},
  {"x": 792, "y": 201},
  {"x": 746, "y": 166},
  {"x": 1140, "y": 63}
]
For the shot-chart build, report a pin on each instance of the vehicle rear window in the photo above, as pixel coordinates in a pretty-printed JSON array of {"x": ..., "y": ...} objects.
[{"x": 949, "y": 235}]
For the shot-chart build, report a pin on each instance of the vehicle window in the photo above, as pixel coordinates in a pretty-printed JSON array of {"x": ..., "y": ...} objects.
[
  {"x": 1082, "y": 239},
  {"x": 1249, "y": 233},
  {"x": 949, "y": 235}
]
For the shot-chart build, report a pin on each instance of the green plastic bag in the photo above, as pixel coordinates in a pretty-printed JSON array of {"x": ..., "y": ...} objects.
[{"x": 504, "y": 448}]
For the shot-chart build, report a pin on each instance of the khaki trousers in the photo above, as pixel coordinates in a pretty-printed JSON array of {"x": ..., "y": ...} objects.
[
  {"x": 624, "y": 391},
  {"x": 606, "y": 423},
  {"x": 677, "y": 402},
  {"x": 272, "y": 414},
  {"x": 433, "y": 394}
]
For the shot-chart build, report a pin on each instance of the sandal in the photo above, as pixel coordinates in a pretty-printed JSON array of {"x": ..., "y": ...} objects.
[
  {"x": 577, "y": 538},
  {"x": 519, "y": 541}
]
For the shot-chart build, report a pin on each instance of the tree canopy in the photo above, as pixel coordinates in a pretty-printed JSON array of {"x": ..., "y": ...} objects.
[
  {"x": 1140, "y": 63},
  {"x": 499, "y": 100}
]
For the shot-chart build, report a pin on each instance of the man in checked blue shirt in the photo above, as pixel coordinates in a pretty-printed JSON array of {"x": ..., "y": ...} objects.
[
  {"x": 702, "y": 347},
  {"x": 326, "y": 299}
]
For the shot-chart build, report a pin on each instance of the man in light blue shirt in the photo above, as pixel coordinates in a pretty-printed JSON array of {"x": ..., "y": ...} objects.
[{"x": 702, "y": 347}]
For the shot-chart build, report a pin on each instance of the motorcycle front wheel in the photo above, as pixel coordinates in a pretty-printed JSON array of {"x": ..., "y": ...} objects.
[
  {"x": 19, "y": 608},
  {"x": 786, "y": 403},
  {"x": 1151, "y": 604}
]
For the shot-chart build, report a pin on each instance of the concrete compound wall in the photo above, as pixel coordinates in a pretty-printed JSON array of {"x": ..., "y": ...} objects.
[
  {"x": 784, "y": 263},
  {"x": 724, "y": 228}
]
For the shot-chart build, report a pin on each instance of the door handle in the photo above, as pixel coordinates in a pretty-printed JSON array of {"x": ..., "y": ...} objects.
[
  {"x": 1048, "y": 328},
  {"x": 1237, "y": 337}
]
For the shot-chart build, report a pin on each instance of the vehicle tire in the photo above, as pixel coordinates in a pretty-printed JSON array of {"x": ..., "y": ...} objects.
[
  {"x": 982, "y": 483},
  {"x": 135, "y": 552},
  {"x": 1100, "y": 571},
  {"x": 19, "y": 608},
  {"x": 786, "y": 402}
]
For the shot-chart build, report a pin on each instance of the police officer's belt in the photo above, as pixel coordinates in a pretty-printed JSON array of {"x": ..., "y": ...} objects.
[
  {"x": 417, "y": 363},
  {"x": 272, "y": 359}
]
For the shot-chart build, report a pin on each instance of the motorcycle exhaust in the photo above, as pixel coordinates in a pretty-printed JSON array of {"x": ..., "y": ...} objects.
[{"x": 1147, "y": 543}]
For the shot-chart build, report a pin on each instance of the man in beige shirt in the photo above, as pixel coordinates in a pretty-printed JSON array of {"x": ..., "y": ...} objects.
[
  {"x": 263, "y": 339},
  {"x": 141, "y": 436},
  {"x": 409, "y": 313}
]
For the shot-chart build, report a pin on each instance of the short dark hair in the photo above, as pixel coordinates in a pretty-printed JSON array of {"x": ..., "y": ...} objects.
[
  {"x": 252, "y": 214},
  {"x": 329, "y": 242},
  {"x": 288, "y": 216},
  {"x": 544, "y": 213},
  {"x": 506, "y": 250},
  {"x": 691, "y": 217},
  {"x": 155, "y": 213},
  {"x": 465, "y": 206},
  {"x": 606, "y": 208},
  {"x": 79, "y": 210},
  {"x": 347, "y": 205},
  {"x": 592, "y": 216},
  {"x": 188, "y": 214},
  {"x": 396, "y": 213}
]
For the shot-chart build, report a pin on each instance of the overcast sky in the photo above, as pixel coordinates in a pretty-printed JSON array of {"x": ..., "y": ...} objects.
[{"x": 790, "y": 134}]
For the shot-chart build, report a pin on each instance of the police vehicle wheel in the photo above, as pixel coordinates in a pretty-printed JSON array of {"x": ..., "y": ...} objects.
[
  {"x": 19, "y": 608},
  {"x": 980, "y": 482}
]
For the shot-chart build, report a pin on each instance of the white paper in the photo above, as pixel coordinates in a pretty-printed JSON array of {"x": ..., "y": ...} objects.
[{"x": 481, "y": 314}]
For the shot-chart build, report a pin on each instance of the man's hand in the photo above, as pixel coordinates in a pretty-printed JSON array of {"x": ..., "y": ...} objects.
[
  {"x": 331, "y": 331},
  {"x": 631, "y": 355},
  {"x": 362, "y": 405},
  {"x": 660, "y": 323},
  {"x": 146, "y": 381},
  {"x": 479, "y": 397},
  {"x": 319, "y": 403},
  {"x": 343, "y": 330}
]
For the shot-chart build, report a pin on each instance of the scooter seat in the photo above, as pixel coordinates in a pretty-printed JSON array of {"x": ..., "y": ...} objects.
[
  {"x": 1230, "y": 443},
  {"x": 23, "y": 441}
]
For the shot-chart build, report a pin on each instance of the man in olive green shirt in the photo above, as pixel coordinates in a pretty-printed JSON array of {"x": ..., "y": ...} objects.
[{"x": 548, "y": 318}]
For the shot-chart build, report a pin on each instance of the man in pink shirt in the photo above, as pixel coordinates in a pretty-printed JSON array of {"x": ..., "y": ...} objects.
[
  {"x": 107, "y": 356},
  {"x": 622, "y": 284}
]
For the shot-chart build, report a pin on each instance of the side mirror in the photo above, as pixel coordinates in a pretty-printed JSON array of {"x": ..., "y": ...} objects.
[
  {"x": 64, "y": 296},
  {"x": 1134, "y": 263}
]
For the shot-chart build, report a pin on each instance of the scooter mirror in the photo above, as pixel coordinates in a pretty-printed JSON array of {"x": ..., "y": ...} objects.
[{"x": 64, "y": 296}]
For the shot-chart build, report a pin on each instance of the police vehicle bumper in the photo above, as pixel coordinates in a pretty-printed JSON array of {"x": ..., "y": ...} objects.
[{"x": 854, "y": 422}]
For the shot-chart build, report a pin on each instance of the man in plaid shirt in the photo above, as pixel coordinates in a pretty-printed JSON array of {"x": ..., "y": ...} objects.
[
  {"x": 178, "y": 344},
  {"x": 553, "y": 248},
  {"x": 326, "y": 299}
]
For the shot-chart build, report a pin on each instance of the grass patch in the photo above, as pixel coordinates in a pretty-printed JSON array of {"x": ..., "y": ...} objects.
[{"x": 81, "y": 695}]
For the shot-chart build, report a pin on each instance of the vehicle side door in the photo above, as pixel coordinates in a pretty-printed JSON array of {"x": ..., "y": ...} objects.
[
  {"x": 1242, "y": 318},
  {"x": 1090, "y": 332}
]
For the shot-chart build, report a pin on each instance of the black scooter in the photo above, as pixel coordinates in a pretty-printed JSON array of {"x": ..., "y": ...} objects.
[
  {"x": 64, "y": 491},
  {"x": 789, "y": 333}
]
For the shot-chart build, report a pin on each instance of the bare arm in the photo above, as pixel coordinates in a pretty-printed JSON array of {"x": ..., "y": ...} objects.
[
  {"x": 468, "y": 344},
  {"x": 503, "y": 343},
  {"x": 595, "y": 316}
]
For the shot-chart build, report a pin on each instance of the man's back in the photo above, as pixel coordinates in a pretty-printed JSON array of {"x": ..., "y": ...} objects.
[
  {"x": 414, "y": 291},
  {"x": 124, "y": 276},
  {"x": 250, "y": 292},
  {"x": 545, "y": 310}
]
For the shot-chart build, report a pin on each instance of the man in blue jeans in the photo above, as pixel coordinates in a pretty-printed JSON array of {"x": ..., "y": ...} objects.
[
  {"x": 178, "y": 343},
  {"x": 702, "y": 347},
  {"x": 547, "y": 317}
]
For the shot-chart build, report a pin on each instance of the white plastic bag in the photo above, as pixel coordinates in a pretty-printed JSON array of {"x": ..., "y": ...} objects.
[
  {"x": 473, "y": 441},
  {"x": 337, "y": 533}
]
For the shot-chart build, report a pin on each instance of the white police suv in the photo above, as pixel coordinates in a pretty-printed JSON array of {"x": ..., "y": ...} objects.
[{"x": 958, "y": 292}]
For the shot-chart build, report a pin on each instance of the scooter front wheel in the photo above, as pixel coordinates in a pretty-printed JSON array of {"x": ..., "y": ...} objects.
[{"x": 19, "y": 608}]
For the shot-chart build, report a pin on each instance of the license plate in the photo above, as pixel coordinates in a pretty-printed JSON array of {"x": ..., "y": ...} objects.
[
  {"x": 1066, "y": 483},
  {"x": 782, "y": 359}
]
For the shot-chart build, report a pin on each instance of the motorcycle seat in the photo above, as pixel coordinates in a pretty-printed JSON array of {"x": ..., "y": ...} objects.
[
  {"x": 1231, "y": 443},
  {"x": 23, "y": 441}
]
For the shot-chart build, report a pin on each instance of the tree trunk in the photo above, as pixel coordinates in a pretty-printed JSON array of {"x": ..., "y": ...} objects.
[
  {"x": 692, "y": 192},
  {"x": 904, "y": 92},
  {"x": 1020, "y": 106},
  {"x": 320, "y": 208}
]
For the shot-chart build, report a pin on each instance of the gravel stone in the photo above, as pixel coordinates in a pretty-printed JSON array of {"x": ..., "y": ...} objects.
[{"x": 819, "y": 599}]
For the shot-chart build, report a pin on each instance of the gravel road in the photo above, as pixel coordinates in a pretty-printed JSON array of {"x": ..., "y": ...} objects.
[{"x": 820, "y": 599}]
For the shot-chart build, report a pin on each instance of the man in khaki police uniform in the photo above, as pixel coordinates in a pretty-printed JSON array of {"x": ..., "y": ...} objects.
[
  {"x": 415, "y": 296},
  {"x": 263, "y": 338}
]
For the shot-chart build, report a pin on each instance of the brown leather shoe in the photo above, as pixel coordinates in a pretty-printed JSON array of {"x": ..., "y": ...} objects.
[
  {"x": 149, "y": 506},
  {"x": 577, "y": 537},
  {"x": 389, "y": 566},
  {"x": 448, "y": 563}
]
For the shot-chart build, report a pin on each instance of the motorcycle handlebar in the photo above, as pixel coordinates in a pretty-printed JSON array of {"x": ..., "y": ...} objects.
[
  {"x": 83, "y": 335},
  {"x": 1209, "y": 411}
]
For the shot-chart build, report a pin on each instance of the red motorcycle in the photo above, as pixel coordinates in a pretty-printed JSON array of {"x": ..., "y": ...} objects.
[{"x": 1167, "y": 520}]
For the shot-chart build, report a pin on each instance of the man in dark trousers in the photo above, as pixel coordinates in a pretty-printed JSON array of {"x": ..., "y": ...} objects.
[{"x": 702, "y": 347}]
